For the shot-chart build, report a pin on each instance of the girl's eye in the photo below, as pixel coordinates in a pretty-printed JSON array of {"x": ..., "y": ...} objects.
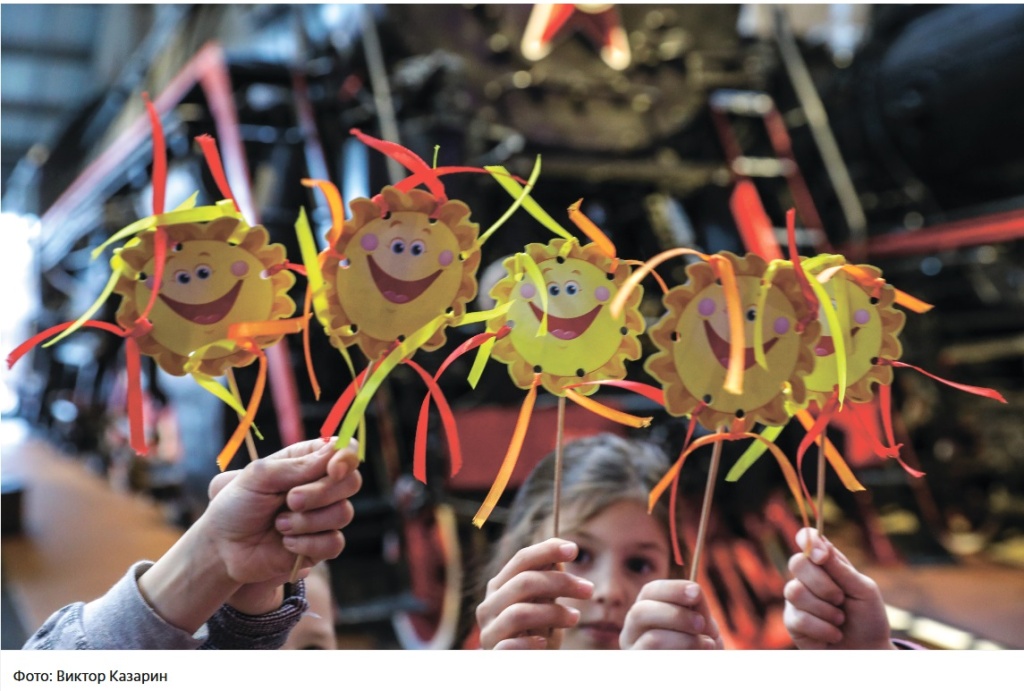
[
  {"x": 182, "y": 277},
  {"x": 583, "y": 558},
  {"x": 639, "y": 565},
  {"x": 553, "y": 289},
  {"x": 417, "y": 248},
  {"x": 572, "y": 288},
  {"x": 177, "y": 247},
  {"x": 203, "y": 272},
  {"x": 398, "y": 246},
  {"x": 750, "y": 314}
]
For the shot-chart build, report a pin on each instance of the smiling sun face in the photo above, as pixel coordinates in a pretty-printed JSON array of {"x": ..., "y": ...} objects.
[
  {"x": 209, "y": 284},
  {"x": 404, "y": 264},
  {"x": 583, "y": 342},
  {"x": 693, "y": 345},
  {"x": 872, "y": 332}
]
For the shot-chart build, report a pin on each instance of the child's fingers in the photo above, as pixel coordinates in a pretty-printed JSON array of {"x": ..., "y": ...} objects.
[
  {"x": 515, "y": 621},
  {"x": 662, "y": 639},
  {"x": 836, "y": 564},
  {"x": 653, "y": 620},
  {"x": 534, "y": 586},
  {"x": 808, "y": 631},
  {"x": 797, "y": 594},
  {"x": 523, "y": 643},
  {"x": 855, "y": 584},
  {"x": 685, "y": 594},
  {"x": 815, "y": 579},
  {"x": 543, "y": 555}
]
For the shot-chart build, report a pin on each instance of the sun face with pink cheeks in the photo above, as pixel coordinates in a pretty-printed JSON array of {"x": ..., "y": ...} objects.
[
  {"x": 872, "y": 327},
  {"x": 214, "y": 276},
  {"x": 693, "y": 340},
  {"x": 582, "y": 341},
  {"x": 398, "y": 264}
]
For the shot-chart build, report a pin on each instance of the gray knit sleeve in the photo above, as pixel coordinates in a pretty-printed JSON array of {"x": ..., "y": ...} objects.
[
  {"x": 229, "y": 629},
  {"x": 121, "y": 619}
]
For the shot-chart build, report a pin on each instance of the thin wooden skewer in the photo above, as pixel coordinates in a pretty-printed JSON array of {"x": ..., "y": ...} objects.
[
  {"x": 559, "y": 433},
  {"x": 705, "y": 512},
  {"x": 821, "y": 484}
]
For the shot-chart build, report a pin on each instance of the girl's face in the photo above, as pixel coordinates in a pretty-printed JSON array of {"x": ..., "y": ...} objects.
[{"x": 621, "y": 549}]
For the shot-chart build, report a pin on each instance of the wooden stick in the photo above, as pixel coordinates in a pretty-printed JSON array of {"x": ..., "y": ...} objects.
[
  {"x": 559, "y": 433},
  {"x": 705, "y": 512},
  {"x": 821, "y": 484}
]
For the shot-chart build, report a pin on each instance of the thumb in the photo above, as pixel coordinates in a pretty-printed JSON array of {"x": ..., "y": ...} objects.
[
  {"x": 220, "y": 481},
  {"x": 303, "y": 448},
  {"x": 855, "y": 584},
  {"x": 295, "y": 465}
]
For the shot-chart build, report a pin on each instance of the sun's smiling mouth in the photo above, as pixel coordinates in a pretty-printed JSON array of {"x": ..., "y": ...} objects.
[
  {"x": 395, "y": 289},
  {"x": 567, "y": 328},
  {"x": 206, "y": 312},
  {"x": 826, "y": 346},
  {"x": 720, "y": 348}
]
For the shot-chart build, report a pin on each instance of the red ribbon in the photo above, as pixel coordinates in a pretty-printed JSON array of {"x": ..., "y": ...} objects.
[
  {"x": 209, "y": 147},
  {"x": 133, "y": 365},
  {"x": 407, "y": 158},
  {"x": 673, "y": 528}
]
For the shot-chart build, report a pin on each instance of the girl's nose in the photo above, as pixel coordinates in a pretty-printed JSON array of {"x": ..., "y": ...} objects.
[{"x": 610, "y": 587}]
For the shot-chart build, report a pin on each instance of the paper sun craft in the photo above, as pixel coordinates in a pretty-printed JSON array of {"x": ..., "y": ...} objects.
[
  {"x": 394, "y": 277},
  {"x": 202, "y": 292},
  {"x": 855, "y": 355},
  {"x": 553, "y": 328}
]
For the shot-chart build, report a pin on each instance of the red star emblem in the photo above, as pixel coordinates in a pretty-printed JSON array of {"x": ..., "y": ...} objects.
[{"x": 601, "y": 24}]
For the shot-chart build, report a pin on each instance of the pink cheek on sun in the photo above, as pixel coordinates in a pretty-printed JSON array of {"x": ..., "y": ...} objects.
[
  {"x": 602, "y": 294},
  {"x": 528, "y": 291},
  {"x": 369, "y": 242},
  {"x": 445, "y": 258},
  {"x": 148, "y": 282},
  {"x": 781, "y": 325},
  {"x": 861, "y": 317},
  {"x": 239, "y": 268},
  {"x": 706, "y": 307}
]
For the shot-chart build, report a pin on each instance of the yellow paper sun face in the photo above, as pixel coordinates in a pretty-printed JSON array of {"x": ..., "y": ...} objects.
[
  {"x": 583, "y": 341},
  {"x": 401, "y": 269},
  {"x": 693, "y": 340},
  {"x": 208, "y": 284},
  {"x": 872, "y": 333}
]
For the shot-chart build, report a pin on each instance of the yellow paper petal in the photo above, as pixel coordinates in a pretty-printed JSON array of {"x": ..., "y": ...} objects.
[
  {"x": 89, "y": 312},
  {"x": 509, "y": 462},
  {"x": 505, "y": 179},
  {"x": 362, "y": 399},
  {"x": 753, "y": 452},
  {"x": 607, "y": 412},
  {"x": 497, "y": 172}
]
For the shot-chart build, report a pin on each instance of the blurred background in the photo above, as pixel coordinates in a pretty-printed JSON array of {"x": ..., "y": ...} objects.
[{"x": 894, "y": 131}]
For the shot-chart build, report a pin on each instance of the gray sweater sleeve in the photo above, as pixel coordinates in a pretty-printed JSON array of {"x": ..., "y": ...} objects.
[{"x": 121, "y": 619}]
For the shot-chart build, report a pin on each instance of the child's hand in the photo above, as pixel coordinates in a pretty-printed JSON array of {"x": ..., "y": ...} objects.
[
  {"x": 670, "y": 615},
  {"x": 519, "y": 610},
  {"x": 829, "y": 604}
]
